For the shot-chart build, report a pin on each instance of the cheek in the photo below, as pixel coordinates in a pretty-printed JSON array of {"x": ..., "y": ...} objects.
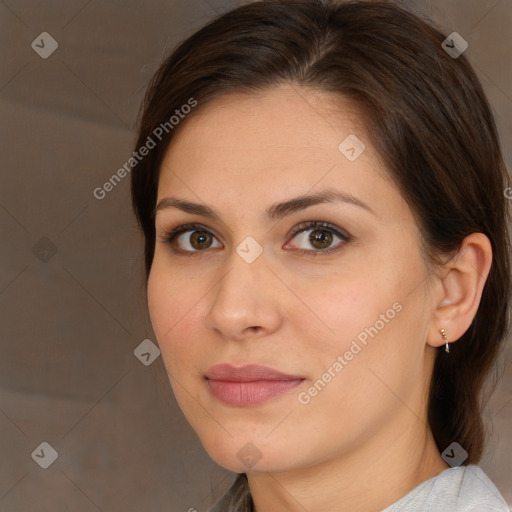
[
  {"x": 366, "y": 318},
  {"x": 376, "y": 347},
  {"x": 160, "y": 302},
  {"x": 337, "y": 308},
  {"x": 171, "y": 305},
  {"x": 356, "y": 370},
  {"x": 170, "y": 296}
]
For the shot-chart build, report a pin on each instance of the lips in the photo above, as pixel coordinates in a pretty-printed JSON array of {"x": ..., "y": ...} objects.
[
  {"x": 248, "y": 385},
  {"x": 247, "y": 373}
]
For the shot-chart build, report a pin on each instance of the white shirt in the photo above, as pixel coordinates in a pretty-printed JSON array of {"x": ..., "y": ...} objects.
[{"x": 458, "y": 489}]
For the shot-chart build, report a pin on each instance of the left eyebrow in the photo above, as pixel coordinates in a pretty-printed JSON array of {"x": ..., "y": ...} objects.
[
  {"x": 276, "y": 211},
  {"x": 328, "y": 195}
]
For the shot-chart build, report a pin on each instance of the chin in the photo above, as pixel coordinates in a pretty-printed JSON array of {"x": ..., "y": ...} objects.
[{"x": 247, "y": 456}]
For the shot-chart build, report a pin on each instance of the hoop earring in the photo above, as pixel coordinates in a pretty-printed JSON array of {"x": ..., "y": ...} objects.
[{"x": 443, "y": 334}]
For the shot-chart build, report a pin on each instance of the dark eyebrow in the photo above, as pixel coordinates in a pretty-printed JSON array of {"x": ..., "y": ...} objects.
[{"x": 276, "y": 211}]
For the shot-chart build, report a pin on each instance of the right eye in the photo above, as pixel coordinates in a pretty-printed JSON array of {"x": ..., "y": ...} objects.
[{"x": 190, "y": 238}]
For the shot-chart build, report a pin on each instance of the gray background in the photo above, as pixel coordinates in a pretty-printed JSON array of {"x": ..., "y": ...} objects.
[{"x": 72, "y": 299}]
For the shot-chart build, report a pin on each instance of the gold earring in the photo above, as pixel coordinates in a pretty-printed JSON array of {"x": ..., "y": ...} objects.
[{"x": 443, "y": 334}]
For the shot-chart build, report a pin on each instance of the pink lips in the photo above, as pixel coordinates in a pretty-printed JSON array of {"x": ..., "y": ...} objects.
[{"x": 248, "y": 385}]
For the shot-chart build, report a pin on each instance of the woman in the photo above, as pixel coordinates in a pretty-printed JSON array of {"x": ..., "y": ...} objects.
[{"x": 321, "y": 192}]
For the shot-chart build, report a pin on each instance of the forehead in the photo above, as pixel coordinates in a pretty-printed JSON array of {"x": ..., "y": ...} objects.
[
  {"x": 285, "y": 115},
  {"x": 272, "y": 129},
  {"x": 247, "y": 149}
]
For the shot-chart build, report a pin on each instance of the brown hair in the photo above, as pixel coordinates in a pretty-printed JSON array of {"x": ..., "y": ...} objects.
[{"x": 426, "y": 115}]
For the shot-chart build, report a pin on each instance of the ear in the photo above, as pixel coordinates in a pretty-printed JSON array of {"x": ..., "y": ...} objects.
[{"x": 461, "y": 282}]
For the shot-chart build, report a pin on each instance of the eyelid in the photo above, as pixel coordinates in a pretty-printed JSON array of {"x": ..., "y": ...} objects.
[
  {"x": 178, "y": 229},
  {"x": 319, "y": 224}
]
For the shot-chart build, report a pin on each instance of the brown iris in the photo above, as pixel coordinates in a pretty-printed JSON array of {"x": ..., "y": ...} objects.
[
  {"x": 200, "y": 237},
  {"x": 322, "y": 237}
]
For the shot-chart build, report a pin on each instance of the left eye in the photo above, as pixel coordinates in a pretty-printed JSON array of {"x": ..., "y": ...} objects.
[{"x": 321, "y": 236}]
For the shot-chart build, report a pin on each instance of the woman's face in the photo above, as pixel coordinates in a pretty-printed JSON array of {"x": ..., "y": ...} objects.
[{"x": 344, "y": 307}]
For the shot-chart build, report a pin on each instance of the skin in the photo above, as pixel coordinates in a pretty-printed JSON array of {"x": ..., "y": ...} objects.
[{"x": 363, "y": 441}]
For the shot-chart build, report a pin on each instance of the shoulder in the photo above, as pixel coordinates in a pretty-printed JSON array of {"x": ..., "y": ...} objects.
[{"x": 458, "y": 489}]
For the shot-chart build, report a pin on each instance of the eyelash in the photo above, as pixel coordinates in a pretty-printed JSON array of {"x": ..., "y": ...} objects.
[{"x": 168, "y": 237}]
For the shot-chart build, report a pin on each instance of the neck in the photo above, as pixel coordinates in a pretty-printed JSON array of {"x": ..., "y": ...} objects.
[{"x": 357, "y": 480}]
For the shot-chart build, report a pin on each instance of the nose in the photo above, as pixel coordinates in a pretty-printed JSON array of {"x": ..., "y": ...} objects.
[{"x": 244, "y": 304}]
